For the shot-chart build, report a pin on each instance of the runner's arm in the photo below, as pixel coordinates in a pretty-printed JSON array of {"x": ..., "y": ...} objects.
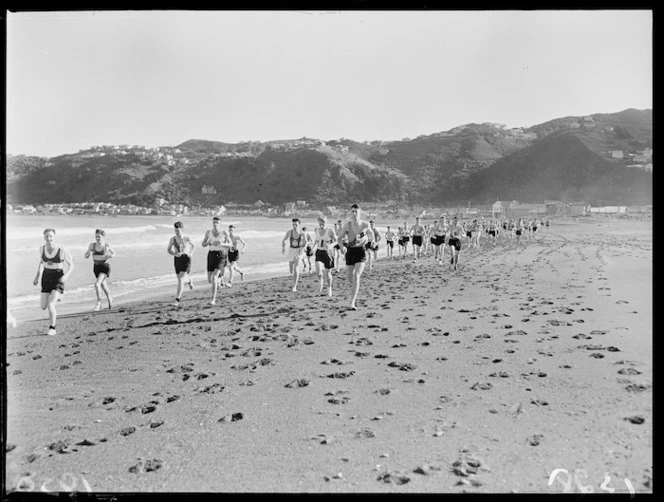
[{"x": 70, "y": 262}]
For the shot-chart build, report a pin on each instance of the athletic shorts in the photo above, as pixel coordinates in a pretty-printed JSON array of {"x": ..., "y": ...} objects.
[
  {"x": 216, "y": 260},
  {"x": 182, "y": 263},
  {"x": 309, "y": 251},
  {"x": 438, "y": 240},
  {"x": 406, "y": 240},
  {"x": 518, "y": 232},
  {"x": 355, "y": 255},
  {"x": 294, "y": 254},
  {"x": 101, "y": 267},
  {"x": 52, "y": 280},
  {"x": 390, "y": 243},
  {"x": 417, "y": 240},
  {"x": 469, "y": 234},
  {"x": 233, "y": 256},
  {"x": 324, "y": 256},
  {"x": 432, "y": 240},
  {"x": 492, "y": 232},
  {"x": 455, "y": 242},
  {"x": 534, "y": 229},
  {"x": 400, "y": 242}
]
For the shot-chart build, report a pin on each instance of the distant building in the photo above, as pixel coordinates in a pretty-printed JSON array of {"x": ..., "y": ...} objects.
[
  {"x": 617, "y": 154},
  {"x": 208, "y": 189}
]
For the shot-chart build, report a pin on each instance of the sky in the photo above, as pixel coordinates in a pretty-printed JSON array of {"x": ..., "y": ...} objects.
[{"x": 158, "y": 78}]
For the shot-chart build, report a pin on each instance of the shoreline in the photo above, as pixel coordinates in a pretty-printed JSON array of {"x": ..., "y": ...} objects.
[{"x": 484, "y": 380}]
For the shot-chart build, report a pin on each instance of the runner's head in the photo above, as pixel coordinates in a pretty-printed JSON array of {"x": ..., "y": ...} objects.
[
  {"x": 178, "y": 226},
  {"x": 99, "y": 235},
  {"x": 49, "y": 235},
  {"x": 296, "y": 223}
]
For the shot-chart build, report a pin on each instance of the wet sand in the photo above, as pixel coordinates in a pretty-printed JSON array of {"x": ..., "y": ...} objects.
[{"x": 485, "y": 380}]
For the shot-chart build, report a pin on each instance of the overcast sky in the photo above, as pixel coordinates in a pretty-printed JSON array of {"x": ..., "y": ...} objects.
[{"x": 79, "y": 79}]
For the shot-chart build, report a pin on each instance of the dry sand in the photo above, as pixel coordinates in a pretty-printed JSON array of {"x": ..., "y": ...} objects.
[{"x": 487, "y": 379}]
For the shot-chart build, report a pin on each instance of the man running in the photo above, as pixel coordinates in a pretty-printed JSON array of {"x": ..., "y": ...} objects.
[
  {"x": 234, "y": 255},
  {"x": 438, "y": 240},
  {"x": 417, "y": 232},
  {"x": 358, "y": 233},
  {"x": 217, "y": 258},
  {"x": 389, "y": 243},
  {"x": 324, "y": 240},
  {"x": 182, "y": 249},
  {"x": 297, "y": 242},
  {"x": 372, "y": 247},
  {"x": 52, "y": 259},
  {"x": 456, "y": 232}
]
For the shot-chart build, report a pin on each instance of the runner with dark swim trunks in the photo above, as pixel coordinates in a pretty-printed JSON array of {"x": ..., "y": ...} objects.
[
  {"x": 389, "y": 241},
  {"x": 217, "y": 258},
  {"x": 234, "y": 255},
  {"x": 181, "y": 247},
  {"x": 297, "y": 242},
  {"x": 454, "y": 242},
  {"x": 405, "y": 238},
  {"x": 372, "y": 247},
  {"x": 53, "y": 277},
  {"x": 324, "y": 239},
  {"x": 438, "y": 239},
  {"x": 417, "y": 232},
  {"x": 308, "y": 251},
  {"x": 101, "y": 252},
  {"x": 358, "y": 233}
]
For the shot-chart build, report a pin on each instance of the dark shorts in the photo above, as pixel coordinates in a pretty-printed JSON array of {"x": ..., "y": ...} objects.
[
  {"x": 534, "y": 229},
  {"x": 355, "y": 255},
  {"x": 455, "y": 242},
  {"x": 101, "y": 268},
  {"x": 400, "y": 242},
  {"x": 336, "y": 246},
  {"x": 52, "y": 281},
  {"x": 438, "y": 240},
  {"x": 371, "y": 246},
  {"x": 432, "y": 240},
  {"x": 405, "y": 240},
  {"x": 469, "y": 233},
  {"x": 233, "y": 256},
  {"x": 492, "y": 232},
  {"x": 182, "y": 263},
  {"x": 309, "y": 251},
  {"x": 323, "y": 256},
  {"x": 518, "y": 232},
  {"x": 417, "y": 240},
  {"x": 216, "y": 260}
]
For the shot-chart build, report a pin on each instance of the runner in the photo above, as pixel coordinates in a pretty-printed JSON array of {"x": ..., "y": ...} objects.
[
  {"x": 389, "y": 241},
  {"x": 438, "y": 239},
  {"x": 308, "y": 251},
  {"x": 217, "y": 258},
  {"x": 519, "y": 229},
  {"x": 493, "y": 231},
  {"x": 476, "y": 232},
  {"x": 339, "y": 250},
  {"x": 53, "y": 277},
  {"x": 456, "y": 232},
  {"x": 417, "y": 232},
  {"x": 358, "y": 233},
  {"x": 181, "y": 247},
  {"x": 101, "y": 252},
  {"x": 372, "y": 247},
  {"x": 405, "y": 237},
  {"x": 400, "y": 241},
  {"x": 234, "y": 255},
  {"x": 297, "y": 242},
  {"x": 324, "y": 239}
]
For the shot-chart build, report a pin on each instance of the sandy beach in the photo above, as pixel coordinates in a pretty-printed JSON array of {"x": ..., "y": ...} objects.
[{"x": 484, "y": 380}]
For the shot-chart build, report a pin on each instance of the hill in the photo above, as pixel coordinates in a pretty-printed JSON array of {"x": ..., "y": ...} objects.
[{"x": 574, "y": 158}]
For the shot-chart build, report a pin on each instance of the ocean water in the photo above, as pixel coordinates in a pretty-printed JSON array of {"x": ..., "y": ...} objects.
[{"x": 141, "y": 268}]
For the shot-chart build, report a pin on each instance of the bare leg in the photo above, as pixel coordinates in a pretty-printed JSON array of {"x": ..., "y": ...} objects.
[{"x": 354, "y": 273}]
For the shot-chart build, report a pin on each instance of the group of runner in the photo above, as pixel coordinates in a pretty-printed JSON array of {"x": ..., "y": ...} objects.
[{"x": 354, "y": 243}]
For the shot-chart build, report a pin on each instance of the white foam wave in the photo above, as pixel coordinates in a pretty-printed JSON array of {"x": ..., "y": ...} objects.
[{"x": 18, "y": 233}]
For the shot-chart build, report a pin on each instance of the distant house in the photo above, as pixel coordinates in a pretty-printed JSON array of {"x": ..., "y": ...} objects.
[
  {"x": 208, "y": 189},
  {"x": 617, "y": 154},
  {"x": 301, "y": 203}
]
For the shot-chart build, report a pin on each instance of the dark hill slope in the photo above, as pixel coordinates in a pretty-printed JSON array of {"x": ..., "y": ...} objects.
[{"x": 560, "y": 166}]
